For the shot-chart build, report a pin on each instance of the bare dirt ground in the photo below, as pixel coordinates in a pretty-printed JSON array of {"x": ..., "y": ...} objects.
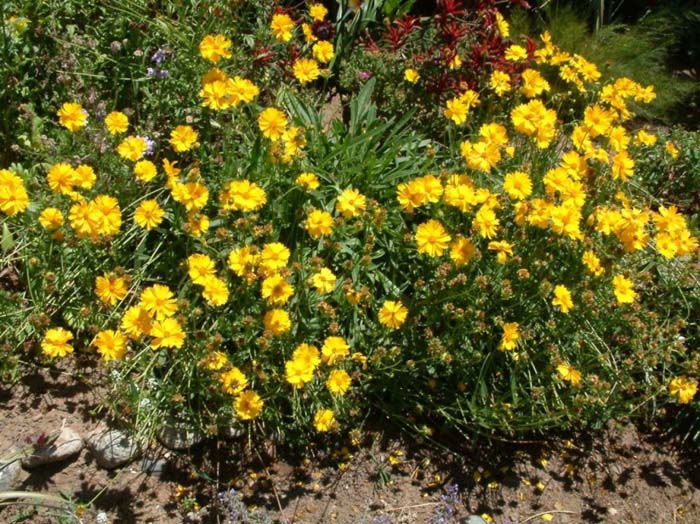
[{"x": 617, "y": 475}]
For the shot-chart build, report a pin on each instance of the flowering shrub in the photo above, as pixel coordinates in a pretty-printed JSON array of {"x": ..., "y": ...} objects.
[{"x": 256, "y": 266}]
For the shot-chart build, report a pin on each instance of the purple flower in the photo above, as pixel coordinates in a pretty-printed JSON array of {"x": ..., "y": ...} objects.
[
  {"x": 160, "y": 55},
  {"x": 149, "y": 145},
  {"x": 364, "y": 75}
]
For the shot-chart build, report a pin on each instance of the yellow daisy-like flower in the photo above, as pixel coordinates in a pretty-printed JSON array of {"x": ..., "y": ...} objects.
[
  {"x": 432, "y": 238},
  {"x": 277, "y": 322},
  {"x": 159, "y": 301},
  {"x": 624, "y": 290},
  {"x": 51, "y": 218},
  {"x": 215, "y": 47},
  {"x": 338, "y": 382},
  {"x": 510, "y": 336},
  {"x": 145, "y": 170},
  {"x": 110, "y": 344},
  {"x": 111, "y": 289},
  {"x": 324, "y": 420},
  {"x": 516, "y": 53},
  {"x": 308, "y": 181},
  {"x": 248, "y": 405},
  {"x": 149, "y": 214},
  {"x": 324, "y": 281},
  {"x": 167, "y": 333},
  {"x": 569, "y": 373},
  {"x": 562, "y": 299},
  {"x": 200, "y": 267},
  {"x": 182, "y": 138},
  {"x": 319, "y": 223},
  {"x": 56, "y": 343},
  {"x": 276, "y": 290},
  {"x": 72, "y": 116},
  {"x": 132, "y": 148},
  {"x": 683, "y": 388},
  {"x": 272, "y": 123},
  {"x": 334, "y": 349},
  {"x": 136, "y": 322},
  {"x": 282, "y": 26},
  {"x": 393, "y": 314},
  {"x": 318, "y": 12},
  {"x": 323, "y": 51},
  {"x": 306, "y": 70},
  {"x": 298, "y": 372},
  {"x": 233, "y": 381},
  {"x": 350, "y": 203},
  {"x": 117, "y": 122},
  {"x": 411, "y": 75}
]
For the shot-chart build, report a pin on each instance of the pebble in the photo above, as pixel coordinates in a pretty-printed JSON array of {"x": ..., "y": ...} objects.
[
  {"x": 10, "y": 471},
  {"x": 67, "y": 445},
  {"x": 179, "y": 435},
  {"x": 111, "y": 448},
  {"x": 472, "y": 519}
]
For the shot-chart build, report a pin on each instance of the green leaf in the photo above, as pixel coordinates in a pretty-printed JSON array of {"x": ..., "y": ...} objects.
[{"x": 7, "y": 241}]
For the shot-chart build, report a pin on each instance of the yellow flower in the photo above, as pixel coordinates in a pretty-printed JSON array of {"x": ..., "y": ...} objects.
[
  {"x": 324, "y": 420},
  {"x": 393, "y": 314},
  {"x": 622, "y": 166},
  {"x": 338, "y": 382},
  {"x": 248, "y": 405},
  {"x": 644, "y": 138},
  {"x": 51, "y": 218},
  {"x": 167, "y": 333},
  {"x": 334, "y": 349},
  {"x": 308, "y": 354},
  {"x": 562, "y": 298},
  {"x": 72, "y": 116},
  {"x": 243, "y": 195},
  {"x": 159, "y": 301},
  {"x": 298, "y": 372},
  {"x": 318, "y": 11},
  {"x": 215, "y": 47},
  {"x": 624, "y": 290},
  {"x": 432, "y": 238},
  {"x": 282, "y": 26},
  {"x": 274, "y": 256},
  {"x": 350, "y": 203},
  {"x": 56, "y": 343},
  {"x": 242, "y": 260},
  {"x": 200, "y": 267},
  {"x": 671, "y": 149},
  {"x": 568, "y": 373},
  {"x": 510, "y": 336},
  {"x": 592, "y": 263},
  {"x": 110, "y": 289},
  {"x": 324, "y": 281},
  {"x": 116, "y": 122},
  {"x": 486, "y": 222},
  {"x": 215, "y": 361},
  {"x": 516, "y": 53},
  {"x": 533, "y": 83},
  {"x": 308, "y": 181},
  {"x": 502, "y": 25},
  {"x": 61, "y": 178},
  {"x": 149, "y": 214},
  {"x": 182, "y": 138},
  {"x": 13, "y": 195},
  {"x": 272, "y": 123},
  {"x": 132, "y": 148},
  {"x": 518, "y": 185},
  {"x": 107, "y": 215},
  {"x": 500, "y": 82},
  {"x": 503, "y": 249},
  {"x": 306, "y": 70},
  {"x": 456, "y": 110},
  {"x": 136, "y": 322},
  {"x": 323, "y": 51},
  {"x": 276, "y": 290},
  {"x": 110, "y": 344},
  {"x": 215, "y": 291},
  {"x": 462, "y": 250},
  {"x": 145, "y": 170},
  {"x": 233, "y": 381},
  {"x": 683, "y": 388},
  {"x": 318, "y": 223},
  {"x": 411, "y": 75},
  {"x": 277, "y": 322}
]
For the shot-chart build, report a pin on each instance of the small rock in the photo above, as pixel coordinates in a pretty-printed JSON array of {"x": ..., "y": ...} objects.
[
  {"x": 10, "y": 471},
  {"x": 154, "y": 466},
  {"x": 472, "y": 519},
  {"x": 67, "y": 444},
  {"x": 612, "y": 511},
  {"x": 111, "y": 448},
  {"x": 179, "y": 435}
]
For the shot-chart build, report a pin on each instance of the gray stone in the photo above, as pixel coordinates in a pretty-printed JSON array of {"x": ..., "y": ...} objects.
[
  {"x": 179, "y": 435},
  {"x": 472, "y": 519},
  {"x": 111, "y": 448},
  {"x": 67, "y": 445},
  {"x": 154, "y": 466},
  {"x": 10, "y": 472}
]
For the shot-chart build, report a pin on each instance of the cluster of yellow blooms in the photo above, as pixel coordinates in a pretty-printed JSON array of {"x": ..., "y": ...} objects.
[{"x": 599, "y": 147}]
